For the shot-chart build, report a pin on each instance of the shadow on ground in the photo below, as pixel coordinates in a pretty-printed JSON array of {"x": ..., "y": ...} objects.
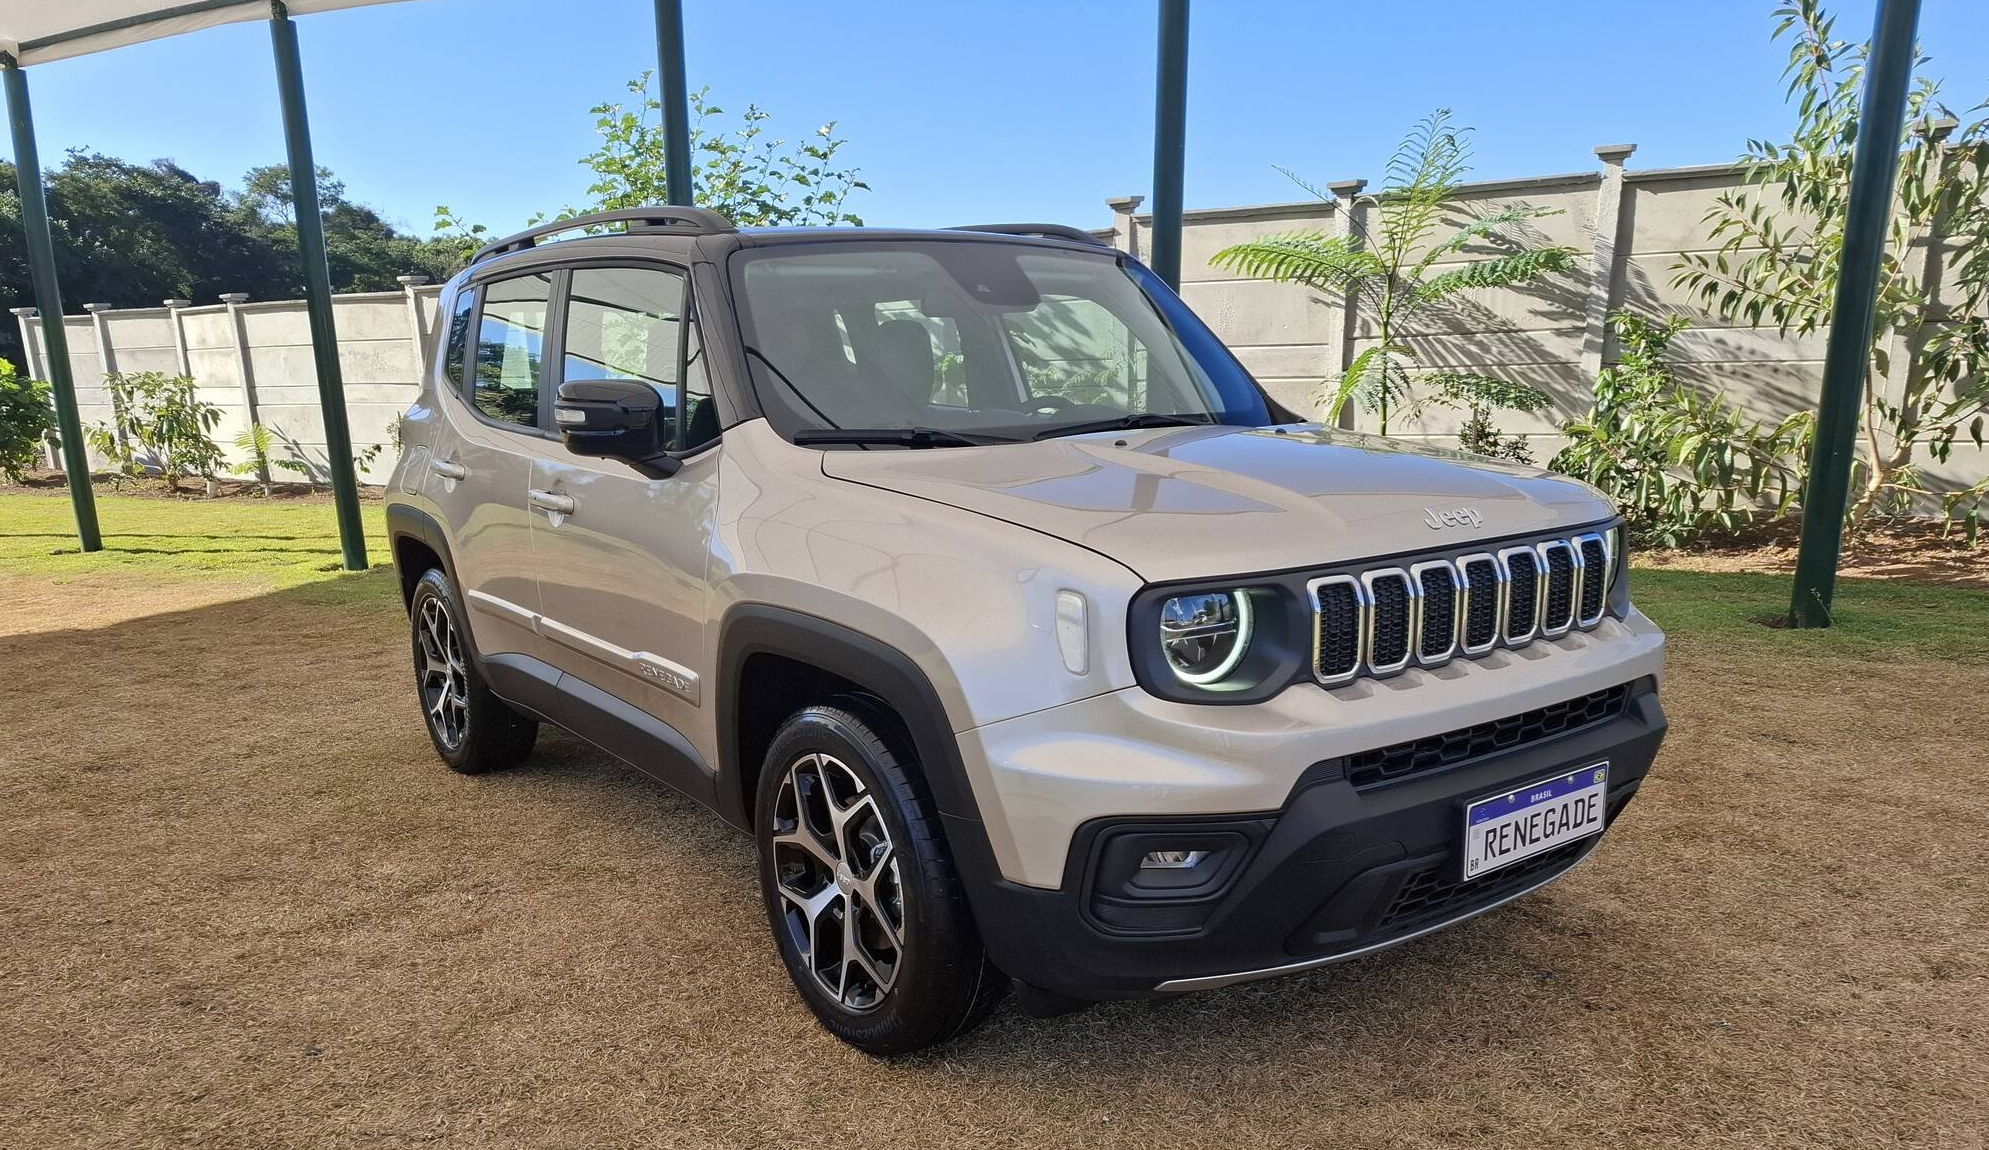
[{"x": 246, "y": 906}]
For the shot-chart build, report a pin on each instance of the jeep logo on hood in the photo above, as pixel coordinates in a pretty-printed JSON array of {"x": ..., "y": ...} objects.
[{"x": 1455, "y": 517}]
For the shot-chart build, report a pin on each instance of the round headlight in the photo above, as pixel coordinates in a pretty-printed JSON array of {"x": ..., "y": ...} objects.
[{"x": 1205, "y": 635}]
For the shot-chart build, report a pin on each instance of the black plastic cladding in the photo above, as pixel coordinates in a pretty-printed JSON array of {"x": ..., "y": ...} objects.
[{"x": 1419, "y": 757}]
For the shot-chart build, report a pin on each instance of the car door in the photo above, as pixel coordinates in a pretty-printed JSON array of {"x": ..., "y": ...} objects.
[
  {"x": 480, "y": 465},
  {"x": 621, "y": 557}
]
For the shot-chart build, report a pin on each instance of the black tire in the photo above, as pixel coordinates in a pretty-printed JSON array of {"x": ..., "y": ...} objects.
[
  {"x": 475, "y": 731},
  {"x": 941, "y": 983}
]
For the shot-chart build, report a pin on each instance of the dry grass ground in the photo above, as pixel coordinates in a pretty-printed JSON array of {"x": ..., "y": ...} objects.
[{"x": 244, "y": 906}]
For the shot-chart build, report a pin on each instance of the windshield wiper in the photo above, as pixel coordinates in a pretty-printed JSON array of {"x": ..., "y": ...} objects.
[
  {"x": 1127, "y": 423},
  {"x": 893, "y": 437}
]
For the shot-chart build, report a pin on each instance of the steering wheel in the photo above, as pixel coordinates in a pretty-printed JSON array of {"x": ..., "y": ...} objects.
[{"x": 1048, "y": 405}]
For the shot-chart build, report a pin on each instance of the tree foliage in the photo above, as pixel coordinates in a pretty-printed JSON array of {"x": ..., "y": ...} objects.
[
  {"x": 25, "y": 416},
  {"x": 1781, "y": 237},
  {"x": 1392, "y": 273},
  {"x": 131, "y": 235},
  {"x": 742, "y": 172},
  {"x": 1681, "y": 464}
]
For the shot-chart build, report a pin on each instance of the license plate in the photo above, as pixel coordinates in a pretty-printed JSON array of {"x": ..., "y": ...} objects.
[{"x": 1507, "y": 828}]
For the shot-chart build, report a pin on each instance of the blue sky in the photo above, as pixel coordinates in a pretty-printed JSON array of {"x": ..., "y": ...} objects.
[{"x": 966, "y": 112}]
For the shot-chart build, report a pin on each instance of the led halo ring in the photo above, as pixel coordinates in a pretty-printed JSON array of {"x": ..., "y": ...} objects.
[{"x": 1240, "y": 598}]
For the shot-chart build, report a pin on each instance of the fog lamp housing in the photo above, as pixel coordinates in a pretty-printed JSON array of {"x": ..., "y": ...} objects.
[{"x": 1158, "y": 879}]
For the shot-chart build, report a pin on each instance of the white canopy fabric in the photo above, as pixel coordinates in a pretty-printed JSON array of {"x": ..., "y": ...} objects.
[{"x": 37, "y": 31}]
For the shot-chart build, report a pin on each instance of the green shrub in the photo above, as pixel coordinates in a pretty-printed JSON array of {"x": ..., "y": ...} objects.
[
  {"x": 25, "y": 417},
  {"x": 158, "y": 422},
  {"x": 1680, "y": 463}
]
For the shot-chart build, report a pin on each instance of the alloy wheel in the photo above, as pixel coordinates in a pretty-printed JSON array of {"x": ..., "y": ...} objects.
[
  {"x": 445, "y": 687},
  {"x": 843, "y": 900}
]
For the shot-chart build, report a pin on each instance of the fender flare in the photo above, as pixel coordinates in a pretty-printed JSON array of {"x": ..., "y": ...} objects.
[
  {"x": 754, "y": 629},
  {"x": 407, "y": 522}
]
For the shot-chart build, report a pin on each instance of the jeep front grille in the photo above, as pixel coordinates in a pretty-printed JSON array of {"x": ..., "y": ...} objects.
[{"x": 1378, "y": 622}]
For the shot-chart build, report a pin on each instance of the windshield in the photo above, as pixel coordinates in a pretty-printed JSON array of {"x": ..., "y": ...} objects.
[{"x": 975, "y": 342}]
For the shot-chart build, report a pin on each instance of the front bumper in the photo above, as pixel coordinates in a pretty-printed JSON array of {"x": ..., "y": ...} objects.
[{"x": 1348, "y": 865}]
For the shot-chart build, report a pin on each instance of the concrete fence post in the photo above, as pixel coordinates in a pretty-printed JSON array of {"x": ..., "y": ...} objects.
[
  {"x": 1351, "y": 211},
  {"x": 33, "y": 369},
  {"x": 1603, "y": 267},
  {"x": 245, "y": 368},
  {"x": 1125, "y": 224},
  {"x": 180, "y": 357},
  {"x": 107, "y": 356},
  {"x": 408, "y": 286}
]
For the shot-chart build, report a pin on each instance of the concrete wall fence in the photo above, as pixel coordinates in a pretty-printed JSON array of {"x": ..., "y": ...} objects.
[
  {"x": 1630, "y": 228},
  {"x": 253, "y": 359}
]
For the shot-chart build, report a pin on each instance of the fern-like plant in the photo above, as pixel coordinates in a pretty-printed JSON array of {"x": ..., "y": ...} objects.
[
  {"x": 1392, "y": 273},
  {"x": 255, "y": 442}
]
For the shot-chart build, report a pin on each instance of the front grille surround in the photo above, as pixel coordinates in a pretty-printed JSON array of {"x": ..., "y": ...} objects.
[
  {"x": 1439, "y": 595},
  {"x": 1594, "y": 563},
  {"x": 1482, "y": 601},
  {"x": 1508, "y": 597},
  {"x": 1383, "y": 631},
  {"x": 1558, "y": 621},
  {"x": 1519, "y": 598},
  {"x": 1340, "y": 661}
]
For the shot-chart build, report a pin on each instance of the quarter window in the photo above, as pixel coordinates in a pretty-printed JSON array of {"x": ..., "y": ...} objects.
[
  {"x": 459, "y": 339},
  {"x": 511, "y": 348}
]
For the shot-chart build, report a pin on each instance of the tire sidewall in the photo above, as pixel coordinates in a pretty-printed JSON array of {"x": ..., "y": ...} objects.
[
  {"x": 434, "y": 585},
  {"x": 942, "y": 948}
]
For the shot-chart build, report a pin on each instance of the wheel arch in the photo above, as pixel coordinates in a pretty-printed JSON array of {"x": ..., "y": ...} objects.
[
  {"x": 851, "y": 661},
  {"x": 418, "y": 543}
]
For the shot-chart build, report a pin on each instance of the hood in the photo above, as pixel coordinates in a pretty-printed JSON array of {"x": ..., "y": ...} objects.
[{"x": 1200, "y": 502}]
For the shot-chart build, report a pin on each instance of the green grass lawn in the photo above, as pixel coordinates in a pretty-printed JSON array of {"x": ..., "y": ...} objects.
[
  {"x": 289, "y": 542},
  {"x": 286, "y": 541}
]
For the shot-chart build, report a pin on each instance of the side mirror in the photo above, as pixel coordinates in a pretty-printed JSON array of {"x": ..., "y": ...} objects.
[{"x": 616, "y": 419}]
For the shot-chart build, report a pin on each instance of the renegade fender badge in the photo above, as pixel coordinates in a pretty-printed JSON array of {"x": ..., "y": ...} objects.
[{"x": 1455, "y": 517}]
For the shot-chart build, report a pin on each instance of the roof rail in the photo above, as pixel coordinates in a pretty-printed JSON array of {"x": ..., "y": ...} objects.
[
  {"x": 680, "y": 221},
  {"x": 1043, "y": 231}
]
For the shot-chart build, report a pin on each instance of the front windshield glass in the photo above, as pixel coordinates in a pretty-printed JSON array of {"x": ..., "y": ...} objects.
[{"x": 975, "y": 341}]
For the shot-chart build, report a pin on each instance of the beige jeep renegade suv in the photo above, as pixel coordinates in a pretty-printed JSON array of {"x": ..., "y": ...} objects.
[{"x": 1035, "y": 646}]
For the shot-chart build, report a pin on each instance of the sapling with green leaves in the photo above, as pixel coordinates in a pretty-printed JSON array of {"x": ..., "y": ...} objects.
[
  {"x": 1776, "y": 263},
  {"x": 1409, "y": 264},
  {"x": 159, "y": 422}
]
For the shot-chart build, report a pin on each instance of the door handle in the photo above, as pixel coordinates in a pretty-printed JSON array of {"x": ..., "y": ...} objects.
[
  {"x": 550, "y": 501},
  {"x": 448, "y": 469}
]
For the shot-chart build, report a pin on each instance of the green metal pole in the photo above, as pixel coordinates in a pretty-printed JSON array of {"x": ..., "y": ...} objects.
[
  {"x": 1170, "y": 133},
  {"x": 672, "y": 93},
  {"x": 48, "y": 297},
  {"x": 1847, "y": 356},
  {"x": 317, "y": 285}
]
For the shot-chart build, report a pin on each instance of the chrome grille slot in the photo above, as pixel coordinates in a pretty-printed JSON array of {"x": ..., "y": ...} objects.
[
  {"x": 1593, "y": 554},
  {"x": 1522, "y": 593},
  {"x": 1557, "y": 597},
  {"x": 1390, "y": 619},
  {"x": 1482, "y": 582},
  {"x": 1339, "y": 602},
  {"x": 1436, "y": 634},
  {"x": 1425, "y": 613}
]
